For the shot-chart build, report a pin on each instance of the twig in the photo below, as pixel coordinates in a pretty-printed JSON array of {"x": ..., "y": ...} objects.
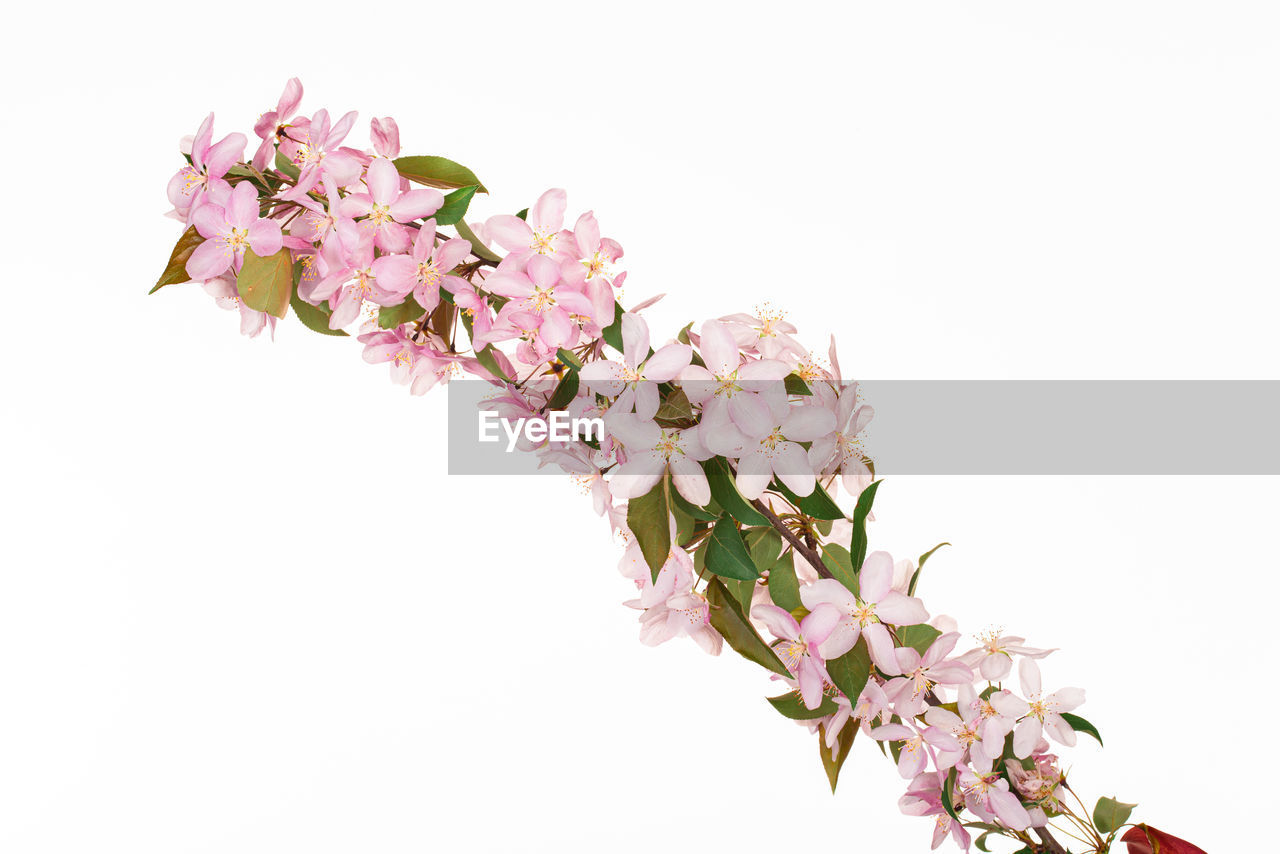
[{"x": 798, "y": 544}]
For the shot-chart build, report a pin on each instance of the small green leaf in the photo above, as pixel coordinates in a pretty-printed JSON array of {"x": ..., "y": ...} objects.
[
  {"x": 647, "y": 517},
  {"x": 175, "y": 272},
  {"x": 440, "y": 172},
  {"x": 569, "y": 359},
  {"x": 851, "y": 671},
  {"x": 266, "y": 284},
  {"x": 455, "y": 206},
  {"x": 741, "y": 590},
  {"x": 795, "y": 385},
  {"x": 949, "y": 795},
  {"x": 817, "y": 504},
  {"x": 1109, "y": 815},
  {"x": 287, "y": 166},
  {"x": 478, "y": 248},
  {"x": 792, "y": 706},
  {"x": 784, "y": 587},
  {"x": 565, "y": 392},
  {"x": 764, "y": 544},
  {"x": 919, "y": 637},
  {"x": 728, "y": 618},
  {"x": 699, "y": 513},
  {"x": 915, "y": 576},
  {"x": 725, "y": 491},
  {"x": 840, "y": 565},
  {"x": 612, "y": 334},
  {"x": 675, "y": 409},
  {"x": 391, "y": 316},
  {"x": 844, "y": 742},
  {"x": 1079, "y": 724},
  {"x": 858, "y": 544},
  {"x": 981, "y": 842},
  {"x": 727, "y": 555}
]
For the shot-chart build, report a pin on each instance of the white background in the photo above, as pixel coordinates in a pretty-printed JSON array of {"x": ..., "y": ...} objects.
[{"x": 243, "y": 609}]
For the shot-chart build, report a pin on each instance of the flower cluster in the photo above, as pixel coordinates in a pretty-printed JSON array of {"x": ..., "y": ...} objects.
[{"x": 732, "y": 462}]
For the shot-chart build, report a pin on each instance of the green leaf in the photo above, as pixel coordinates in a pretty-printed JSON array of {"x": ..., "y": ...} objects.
[
  {"x": 981, "y": 842},
  {"x": 1109, "y": 815},
  {"x": 728, "y": 618},
  {"x": 741, "y": 590},
  {"x": 523, "y": 214},
  {"x": 851, "y": 671},
  {"x": 838, "y": 563},
  {"x": 725, "y": 491},
  {"x": 478, "y": 248},
  {"x": 647, "y": 519},
  {"x": 727, "y": 554},
  {"x": 569, "y": 359},
  {"x": 795, "y": 385},
  {"x": 175, "y": 272},
  {"x": 949, "y": 795},
  {"x": 683, "y": 335},
  {"x": 391, "y": 316},
  {"x": 612, "y": 334},
  {"x": 266, "y": 284},
  {"x": 440, "y": 172},
  {"x": 565, "y": 392},
  {"x": 287, "y": 166},
  {"x": 764, "y": 544},
  {"x": 792, "y": 706},
  {"x": 817, "y": 504},
  {"x": 1079, "y": 724},
  {"x": 689, "y": 507},
  {"x": 675, "y": 409},
  {"x": 915, "y": 576},
  {"x": 314, "y": 317},
  {"x": 455, "y": 206},
  {"x": 784, "y": 587},
  {"x": 919, "y": 637},
  {"x": 858, "y": 544},
  {"x": 844, "y": 742}
]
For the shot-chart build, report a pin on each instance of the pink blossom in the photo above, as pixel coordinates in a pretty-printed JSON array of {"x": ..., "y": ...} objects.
[
  {"x": 920, "y": 673},
  {"x": 229, "y": 231},
  {"x": 635, "y": 381},
  {"x": 188, "y": 188},
  {"x": 800, "y": 643},
  {"x": 387, "y": 207},
  {"x": 227, "y": 296},
  {"x": 271, "y": 125},
  {"x": 653, "y": 451},
  {"x": 386, "y": 137},
  {"x": 918, "y": 746},
  {"x": 734, "y": 411},
  {"x": 314, "y": 146},
  {"x": 994, "y": 659},
  {"x": 1038, "y": 713},
  {"x": 987, "y": 795},
  {"x": 426, "y": 269},
  {"x": 779, "y": 454},
  {"x": 540, "y": 234},
  {"x": 541, "y": 299}
]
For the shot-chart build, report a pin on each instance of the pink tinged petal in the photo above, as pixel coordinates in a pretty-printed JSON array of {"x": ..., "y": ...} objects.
[
  {"x": 876, "y": 576},
  {"x": 940, "y": 648},
  {"x": 1029, "y": 674},
  {"x": 547, "y": 213},
  {"x": 211, "y": 222},
  {"x": 811, "y": 684},
  {"x": 573, "y": 302},
  {"x": 397, "y": 274},
  {"x": 807, "y": 423},
  {"x": 635, "y": 339},
  {"x": 1026, "y": 736},
  {"x": 667, "y": 363},
  {"x": 383, "y": 181},
  {"x": 555, "y": 327},
  {"x": 880, "y": 645},
  {"x": 755, "y": 470},
  {"x": 892, "y": 732},
  {"x": 262, "y": 156},
  {"x": 587, "y": 234},
  {"x": 899, "y": 610},
  {"x": 942, "y": 718},
  {"x": 912, "y": 761},
  {"x": 719, "y": 350},
  {"x": 818, "y": 624},
  {"x": 543, "y": 272},
  {"x": 1008, "y": 809},
  {"x": 211, "y": 258},
  {"x": 751, "y": 415},
  {"x": 647, "y": 399},
  {"x": 778, "y": 621},
  {"x": 1066, "y": 699},
  {"x": 691, "y": 481},
  {"x": 343, "y": 168},
  {"x": 200, "y": 145},
  {"x": 842, "y": 638},
  {"x": 340, "y": 129},
  {"x": 385, "y": 134},
  {"x": 827, "y": 591},
  {"x": 289, "y": 98},
  {"x": 357, "y": 204},
  {"x": 951, "y": 673},
  {"x": 791, "y": 465},
  {"x": 451, "y": 253},
  {"x": 510, "y": 232},
  {"x": 417, "y": 204},
  {"x": 697, "y": 382},
  {"x": 1008, "y": 705},
  {"x": 265, "y": 237},
  {"x": 225, "y": 154},
  {"x": 603, "y": 377},
  {"x": 636, "y": 476},
  {"x": 995, "y": 667},
  {"x": 763, "y": 371},
  {"x": 514, "y": 285}
]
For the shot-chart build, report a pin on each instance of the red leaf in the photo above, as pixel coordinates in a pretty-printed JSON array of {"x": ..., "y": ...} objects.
[{"x": 1144, "y": 839}]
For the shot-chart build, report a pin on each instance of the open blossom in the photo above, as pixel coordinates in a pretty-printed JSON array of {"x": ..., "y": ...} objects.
[
  {"x": 539, "y": 234},
  {"x": 867, "y": 614},
  {"x": 314, "y": 145},
  {"x": 1039, "y": 713},
  {"x": 542, "y": 298},
  {"x": 734, "y": 396},
  {"x": 227, "y": 296},
  {"x": 921, "y": 673},
  {"x": 779, "y": 454},
  {"x": 918, "y": 746},
  {"x": 426, "y": 270},
  {"x": 653, "y": 451},
  {"x": 841, "y": 450},
  {"x": 385, "y": 208},
  {"x": 271, "y": 125},
  {"x": 799, "y": 647},
  {"x": 635, "y": 381},
  {"x": 987, "y": 794},
  {"x": 385, "y": 134},
  {"x": 994, "y": 659},
  {"x": 768, "y": 335},
  {"x": 229, "y": 231},
  {"x": 967, "y": 726},
  {"x": 209, "y": 162}
]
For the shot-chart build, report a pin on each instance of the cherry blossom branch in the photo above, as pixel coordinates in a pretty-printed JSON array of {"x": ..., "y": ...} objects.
[{"x": 814, "y": 559}]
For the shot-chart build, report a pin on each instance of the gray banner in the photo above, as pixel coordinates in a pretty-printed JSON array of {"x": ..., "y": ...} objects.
[{"x": 1004, "y": 427}]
